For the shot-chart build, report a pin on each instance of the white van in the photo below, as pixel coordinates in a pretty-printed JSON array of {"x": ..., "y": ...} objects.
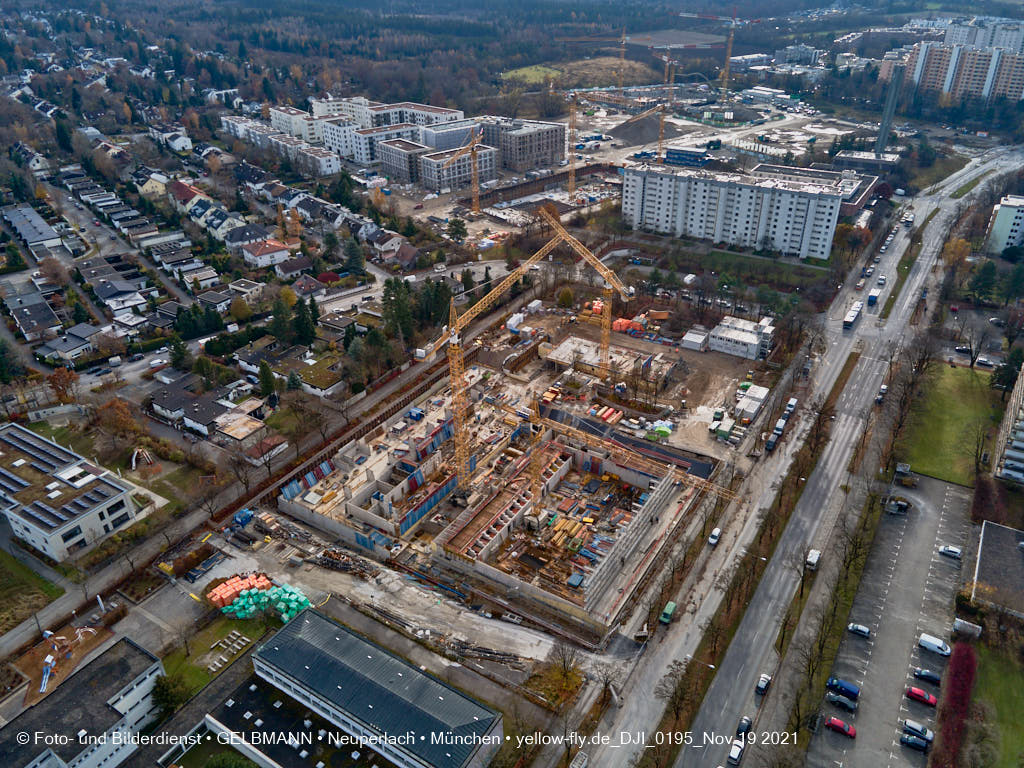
[
  {"x": 813, "y": 556},
  {"x": 933, "y": 644}
]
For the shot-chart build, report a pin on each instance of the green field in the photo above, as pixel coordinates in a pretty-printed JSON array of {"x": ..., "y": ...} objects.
[
  {"x": 193, "y": 666},
  {"x": 535, "y": 74},
  {"x": 22, "y": 592},
  {"x": 937, "y": 171},
  {"x": 753, "y": 270},
  {"x": 1000, "y": 684},
  {"x": 937, "y": 443}
]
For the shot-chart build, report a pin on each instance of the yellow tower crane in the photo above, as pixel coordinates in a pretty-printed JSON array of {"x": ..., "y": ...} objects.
[
  {"x": 733, "y": 22},
  {"x": 622, "y": 57},
  {"x": 470, "y": 149},
  {"x": 612, "y": 284},
  {"x": 660, "y": 109},
  {"x": 572, "y": 148},
  {"x": 458, "y": 323}
]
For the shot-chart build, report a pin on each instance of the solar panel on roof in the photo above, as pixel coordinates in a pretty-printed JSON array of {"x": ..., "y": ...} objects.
[
  {"x": 13, "y": 479},
  {"x": 49, "y": 510},
  {"x": 39, "y": 467},
  {"x": 38, "y": 518}
]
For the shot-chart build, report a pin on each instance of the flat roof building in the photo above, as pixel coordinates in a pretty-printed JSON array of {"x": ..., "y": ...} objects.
[
  {"x": 794, "y": 218},
  {"x": 436, "y": 175},
  {"x": 400, "y": 159},
  {"x": 94, "y": 714},
  {"x": 525, "y": 144},
  {"x": 1006, "y": 227},
  {"x": 410, "y": 717},
  {"x": 54, "y": 499},
  {"x": 30, "y": 226}
]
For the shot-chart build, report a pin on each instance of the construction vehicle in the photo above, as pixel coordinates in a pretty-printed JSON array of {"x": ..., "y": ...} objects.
[
  {"x": 733, "y": 22},
  {"x": 905, "y": 477},
  {"x": 469, "y": 148}
]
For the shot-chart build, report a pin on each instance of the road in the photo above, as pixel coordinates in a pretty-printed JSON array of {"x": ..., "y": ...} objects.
[{"x": 731, "y": 693}]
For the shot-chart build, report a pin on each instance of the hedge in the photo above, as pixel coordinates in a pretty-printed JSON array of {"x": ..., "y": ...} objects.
[{"x": 956, "y": 700}]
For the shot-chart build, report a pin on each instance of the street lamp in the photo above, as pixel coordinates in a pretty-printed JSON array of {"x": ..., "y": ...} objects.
[{"x": 690, "y": 658}]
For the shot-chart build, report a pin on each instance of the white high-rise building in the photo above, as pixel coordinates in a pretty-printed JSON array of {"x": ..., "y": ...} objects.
[
  {"x": 794, "y": 218},
  {"x": 1006, "y": 228}
]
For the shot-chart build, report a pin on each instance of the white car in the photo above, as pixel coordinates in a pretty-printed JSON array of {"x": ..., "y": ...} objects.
[
  {"x": 881, "y": 279},
  {"x": 859, "y": 629},
  {"x": 716, "y": 534},
  {"x": 157, "y": 362},
  {"x": 948, "y": 550},
  {"x": 736, "y": 752}
]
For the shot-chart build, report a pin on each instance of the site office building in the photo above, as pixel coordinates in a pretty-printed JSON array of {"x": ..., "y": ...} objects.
[{"x": 793, "y": 218}]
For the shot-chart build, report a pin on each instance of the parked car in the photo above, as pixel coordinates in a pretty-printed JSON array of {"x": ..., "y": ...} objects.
[
  {"x": 881, "y": 280},
  {"x": 763, "y": 684},
  {"x": 418, "y": 207},
  {"x": 984, "y": 362},
  {"x": 882, "y": 391},
  {"x": 913, "y": 742},
  {"x": 841, "y": 701},
  {"x": 963, "y": 350},
  {"x": 950, "y": 551},
  {"x": 928, "y": 676},
  {"x": 716, "y": 534},
  {"x": 997, "y": 321},
  {"x": 859, "y": 629},
  {"x": 156, "y": 362},
  {"x": 839, "y": 726},
  {"x": 136, "y": 357},
  {"x": 915, "y": 728},
  {"x": 736, "y": 752},
  {"x": 921, "y": 695}
]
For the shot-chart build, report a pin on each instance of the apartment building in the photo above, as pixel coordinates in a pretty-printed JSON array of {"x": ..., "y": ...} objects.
[
  {"x": 400, "y": 159},
  {"x": 1005, "y": 34},
  {"x": 365, "y": 140},
  {"x": 318, "y": 161},
  {"x": 448, "y": 135},
  {"x": 54, "y": 499},
  {"x": 524, "y": 144},
  {"x": 296, "y": 122},
  {"x": 375, "y": 114},
  {"x": 339, "y": 134},
  {"x": 1006, "y": 227},
  {"x": 92, "y": 719},
  {"x": 794, "y": 218},
  {"x": 964, "y": 71},
  {"x": 435, "y": 176}
]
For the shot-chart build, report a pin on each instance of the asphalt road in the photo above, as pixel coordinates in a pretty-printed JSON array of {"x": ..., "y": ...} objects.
[{"x": 730, "y": 695}]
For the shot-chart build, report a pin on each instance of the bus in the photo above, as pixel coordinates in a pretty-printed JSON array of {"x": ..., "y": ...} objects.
[
  {"x": 666, "y": 615},
  {"x": 853, "y": 315}
]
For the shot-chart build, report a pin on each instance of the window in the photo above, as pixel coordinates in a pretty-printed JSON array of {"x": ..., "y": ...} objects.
[{"x": 76, "y": 531}]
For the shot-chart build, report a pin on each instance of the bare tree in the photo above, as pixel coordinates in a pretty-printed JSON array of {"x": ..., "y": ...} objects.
[
  {"x": 977, "y": 337},
  {"x": 240, "y": 468},
  {"x": 975, "y": 441},
  {"x": 566, "y": 657},
  {"x": 670, "y": 687}
]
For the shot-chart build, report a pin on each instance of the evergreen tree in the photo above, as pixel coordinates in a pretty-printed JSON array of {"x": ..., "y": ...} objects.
[
  {"x": 180, "y": 357},
  {"x": 354, "y": 263},
  {"x": 397, "y": 309},
  {"x": 314, "y": 311},
  {"x": 349, "y": 337},
  {"x": 266, "y": 379},
  {"x": 280, "y": 323},
  {"x": 294, "y": 381},
  {"x": 302, "y": 324}
]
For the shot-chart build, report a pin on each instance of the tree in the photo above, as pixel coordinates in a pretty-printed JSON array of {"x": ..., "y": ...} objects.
[
  {"x": 14, "y": 258},
  {"x": 1005, "y": 375},
  {"x": 457, "y": 230},
  {"x": 10, "y": 365},
  {"x": 281, "y": 322},
  {"x": 288, "y": 297},
  {"x": 565, "y": 298},
  {"x": 467, "y": 280},
  {"x": 314, "y": 311},
  {"x": 304, "y": 331},
  {"x": 179, "y": 357},
  {"x": 115, "y": 420},
  {"x": 54, "y": 271},
  {"x": 239, "y": 310},
  {"x": 670, "y": 687},
  {"x": 78, "y": 312},
  {"x": 984, "y": 281},
  {"x": 108, "y": 344},
  {"x": 64, "y": 383},
  {"x": 169, "y": 693},
  {"x": 267, "y": 380},
  {"x": 354, "y": 262},
  {"x": 566, "y": 658},
  {"x": 62, "y": 130},
  {"x": 330, "y": 244}
]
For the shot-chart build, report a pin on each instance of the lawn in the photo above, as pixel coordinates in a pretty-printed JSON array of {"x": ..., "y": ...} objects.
[
  {"x": 1000, "y": 683},
  {"x": 193, "y": 667},
  {"x": 937, "y": 443},
  {"x": 940, "y": 169},
  {"x": 965, "y": 188},
  {"x": 532, "y": 75},
  {"x": 22, "y": 592},
  {"x": 79, "y": 442}
]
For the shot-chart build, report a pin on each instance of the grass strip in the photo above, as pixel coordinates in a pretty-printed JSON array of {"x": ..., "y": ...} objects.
[
  {"x": 906, "y": 263},
  {"x": 723, "y": 625},
  {"x": 965, "y": 188}
]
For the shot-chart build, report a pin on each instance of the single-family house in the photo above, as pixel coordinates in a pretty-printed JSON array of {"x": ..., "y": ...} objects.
[
  {"x": 244, "y": 234},
  {"x": 33, "y": 315},
  {"x": 293, "y": 267},
  {"x": 247, "y": 289},
  {"x": 265, "y": 253},
  {"x": 307, "y": 286},
  {"x": 118, "y": 294},
  {"x": 75, "y": 343},
  {"x": 215, "y": 299}
]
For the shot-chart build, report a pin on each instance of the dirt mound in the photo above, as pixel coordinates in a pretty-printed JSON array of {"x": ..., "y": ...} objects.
[{"x": 643, "y": 131}]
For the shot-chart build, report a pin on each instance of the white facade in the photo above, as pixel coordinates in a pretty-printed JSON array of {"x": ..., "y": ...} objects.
[
  {"x": 792, "y": 218},
  {"x": 742, "y": 338},
  {"x": 296, "y": 122},
  {"x": 435, "y": 176},
  {"x": 339, "y": 135},
  {"x": 372, "y": 114},
  {"x": 318, "y": 161},
  {"x": 364, "y": 140},
  {"x": 1006, "y": 228},
  {"x": 66, "y": 509}
]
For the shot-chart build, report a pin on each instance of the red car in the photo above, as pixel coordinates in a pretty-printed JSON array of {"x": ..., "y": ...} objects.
[
  {"x": 917, "y": 694},
  {"x": 837, "y": 725}
]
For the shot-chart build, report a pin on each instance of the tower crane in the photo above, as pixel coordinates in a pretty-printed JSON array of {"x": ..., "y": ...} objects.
[
  {"x": 660, "y": 109},
  {"x": 612, "y": 283},
  {"x": 733, "y": 22},
  {"x": 572, "y": 147},
  {"x": 622, "y": 56},
  {"x": 458, "y": 323},
  {"x": 470, "y": 149}
]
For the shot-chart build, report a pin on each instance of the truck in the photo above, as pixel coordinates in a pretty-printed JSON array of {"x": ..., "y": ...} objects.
[
  {"x": 115, "y": 361},
  {"x": 873, "y": 296}
]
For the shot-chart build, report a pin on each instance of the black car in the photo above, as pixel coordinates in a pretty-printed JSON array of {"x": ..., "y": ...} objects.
[
  {"x": 913, "y": 742},
  {"x": 928, "y": 676},
  {"x": 136, "y": 357},
  {"x": 744, "y": 727},
  {"x": 841, "y": 701}
]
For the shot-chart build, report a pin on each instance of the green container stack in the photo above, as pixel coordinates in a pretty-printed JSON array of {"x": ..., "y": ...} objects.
[{"x": 285, "y": 600}]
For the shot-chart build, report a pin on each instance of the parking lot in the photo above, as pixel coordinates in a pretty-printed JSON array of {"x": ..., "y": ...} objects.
[{"x": 907, "y": 588}]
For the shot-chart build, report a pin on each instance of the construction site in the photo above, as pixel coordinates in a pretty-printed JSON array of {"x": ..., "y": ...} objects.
[{"x": 540, "y": 479}]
